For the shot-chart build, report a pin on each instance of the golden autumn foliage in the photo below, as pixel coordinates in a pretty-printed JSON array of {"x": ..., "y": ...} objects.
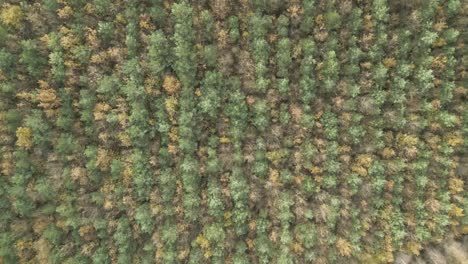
[
  {"x": 222, "y": 38},
  {"x": 104, "y": 158},
  {"x": 23, "y": 244},
  {"x": 440, "y": 25},
  {"x": 47, "y": 98},
  {"x": 171, "y": 104},
  {"x": 439, "y": 62},
  {"x": 414, "y": 247},
  {"x": 344, "y": 248},
  {"x": 69, "y": 40},
  {"x": 295, "y": 10},
  {"x": 315, "y": 170},
  {"x": 456, "y": 211},
  {"x": 78, "y": 174},
  {"x": 205, "y": 245},
  {"x": 364, "y": 160},
  {"x": 380, "y": 258},
  {"x": 388, "y": 153},
  {"x": 127, "y": 176},
  {"x": 406, "y": 139},
  {"x": 202, "y": 241},
  {"x": 24, "y": 137},
  {"x": 86, "y": 232},
  {"x": 275, "y": 156},
  {"x": 171, "y": 85},
  {"x": 124, "y": 139},
  {"x": 366, "y": 65},
  {"x": 224, "y": 140},
  {"x": 11, "y": 15},
  {"x": 174, "y": 134},
  {"x": 273, "y": 177},
  {"x": 359, "y": 169},
  {"x": 440, "y": 42},
  {"x": 100, "y": 111},
  {"x": 297, "y": 248},
  {"x": 7, "y": 164},
  {"x": 198, "y": 92},
  {"x": 454, "y": 139},
  {"x": 43, "y": 248},
  {"x": 65, "y": 12},
  {"x": 145, "y": 22},
  {"x": 389, "y": 62},
  {"x": 456, "y": 185},
  {"x": 296, "y": 112}
]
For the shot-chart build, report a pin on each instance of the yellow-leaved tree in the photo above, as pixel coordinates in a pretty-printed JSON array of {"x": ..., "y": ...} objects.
[
  {"x": 11, "y": 15},
  {"x": 24, "y": 135}
]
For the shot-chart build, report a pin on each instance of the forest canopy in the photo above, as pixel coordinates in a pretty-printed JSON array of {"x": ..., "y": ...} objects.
[{"x": 232, "y": 131}]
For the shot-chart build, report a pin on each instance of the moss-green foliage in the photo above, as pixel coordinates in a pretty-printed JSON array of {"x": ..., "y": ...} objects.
[{"x": 220, "y": 131}]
